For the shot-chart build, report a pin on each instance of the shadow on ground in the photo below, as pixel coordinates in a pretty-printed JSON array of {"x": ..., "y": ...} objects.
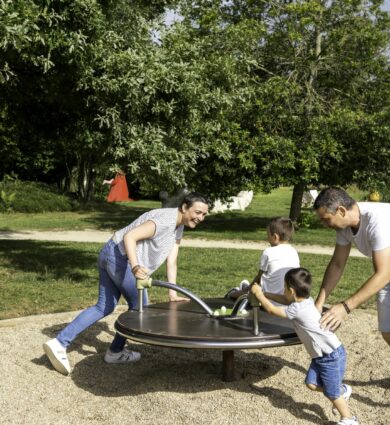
[
  {"x": 113, "y": 216},
  {"x": 61, "y": 259},
  {"x": 363, "y": 398},
  {"x": 278, "y": 398},
  {"x": 178, "y": 371}
]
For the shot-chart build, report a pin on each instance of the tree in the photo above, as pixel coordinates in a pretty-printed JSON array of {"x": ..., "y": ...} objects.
[
  {"x": 313, "y": 65},
  {"x": 53, "y": 55},
  {"x": 239, "y": 95}
]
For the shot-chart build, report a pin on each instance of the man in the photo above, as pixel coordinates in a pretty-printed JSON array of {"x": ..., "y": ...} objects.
[{"x": 367, "y": 224}]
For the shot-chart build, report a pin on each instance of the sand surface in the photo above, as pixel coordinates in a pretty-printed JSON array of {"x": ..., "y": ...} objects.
[{"x": 177, "y": 386}]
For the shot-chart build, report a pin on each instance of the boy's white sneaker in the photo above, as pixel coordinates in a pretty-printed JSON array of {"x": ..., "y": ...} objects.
[
  {"x": 244, "y": 285},
  {"x": 234, "y": 293},
  {"x": 57, "y": 356},
  {"x": 347, "y": 391},
  {"x": 231, "y": 292},
  {"x": 124, "y": 356},
  {"x": 346, "y": 395},
  {"x": 350, "y": 421}
]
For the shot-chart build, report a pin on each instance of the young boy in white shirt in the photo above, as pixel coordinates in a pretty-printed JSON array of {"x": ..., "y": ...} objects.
[
  {"x": 275, "y": 260},
  {"x": 327, "y": 368}
]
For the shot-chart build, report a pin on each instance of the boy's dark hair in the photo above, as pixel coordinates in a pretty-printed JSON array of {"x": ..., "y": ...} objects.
[
  {"x": 281, "y": 226},
  {"x": 193, "y": 197},
  {"x": 333, "y": 197},
  {"x": 300, "y": 280}
]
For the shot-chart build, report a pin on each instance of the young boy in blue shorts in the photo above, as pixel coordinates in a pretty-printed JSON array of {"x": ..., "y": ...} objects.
[{"x": 328, "y": 363}]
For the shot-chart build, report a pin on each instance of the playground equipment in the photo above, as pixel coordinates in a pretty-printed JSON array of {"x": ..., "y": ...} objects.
[{"x": 216, "y": 323}]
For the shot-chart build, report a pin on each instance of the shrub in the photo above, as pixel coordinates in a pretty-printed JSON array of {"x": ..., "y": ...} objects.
[
  {"x": 6, "y": 200},
  {"x": 385, "y": 194},
  {"x": 32, "y": 197},
  {"x": 308, "y": 220}
]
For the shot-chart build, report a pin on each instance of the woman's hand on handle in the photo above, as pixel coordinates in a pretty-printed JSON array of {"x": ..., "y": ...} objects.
[{"x": 140, "y": 272}]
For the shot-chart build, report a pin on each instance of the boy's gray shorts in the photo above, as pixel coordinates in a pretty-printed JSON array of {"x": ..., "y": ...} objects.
[{"x": 383, "y": 305}]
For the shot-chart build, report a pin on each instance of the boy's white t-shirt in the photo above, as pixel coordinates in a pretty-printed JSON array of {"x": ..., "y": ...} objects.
[
  {"x": 306, "y": 321},
  {"x": 275, "y": 262},
  {"x": 374, "y": 228}
]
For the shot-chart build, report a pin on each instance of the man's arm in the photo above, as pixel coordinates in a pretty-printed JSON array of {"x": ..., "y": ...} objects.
[
  {"x": 380, "y": 278},
  {"x": 333, "y": 273},
  {"x": 381, "y": 260}
]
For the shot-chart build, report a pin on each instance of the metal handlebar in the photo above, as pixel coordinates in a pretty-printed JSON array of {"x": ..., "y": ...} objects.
[{"x": 142, "y": 284}]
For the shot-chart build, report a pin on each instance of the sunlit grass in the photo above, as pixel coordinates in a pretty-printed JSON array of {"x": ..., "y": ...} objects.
[
  {"x": 239, "y": 225},
  {"x": 45, "y": 277}
]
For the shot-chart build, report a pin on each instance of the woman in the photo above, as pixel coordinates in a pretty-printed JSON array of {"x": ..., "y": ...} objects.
[{"x": 133, "y": 252}]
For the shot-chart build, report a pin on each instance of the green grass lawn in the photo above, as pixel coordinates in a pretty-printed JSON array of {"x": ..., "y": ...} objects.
[
  {"x": 102, "y": 216},
  {"x": 239, "y": 225},
  {"x": 44, "y": 277}
]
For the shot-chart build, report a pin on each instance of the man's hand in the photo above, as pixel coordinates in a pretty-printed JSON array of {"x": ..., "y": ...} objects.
[{"x": 332, "y": 318}]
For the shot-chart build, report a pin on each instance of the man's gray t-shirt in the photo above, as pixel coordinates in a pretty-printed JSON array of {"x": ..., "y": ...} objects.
[
  {"x": 306, "y": 320},
  {"x": 152, "y": 252}
]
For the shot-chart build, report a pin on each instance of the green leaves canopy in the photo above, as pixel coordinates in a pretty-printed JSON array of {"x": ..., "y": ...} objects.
[{"x": 237, "y": 95}]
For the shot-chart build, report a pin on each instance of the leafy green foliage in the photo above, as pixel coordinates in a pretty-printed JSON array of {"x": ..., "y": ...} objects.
[
  {"x": 55, "y": 59},
  {"x": 6, "y": 200},
  {"x": 29, "y": 197},
  {"x": 315, "y": 70},
  {"x": 239, "y": 95}
]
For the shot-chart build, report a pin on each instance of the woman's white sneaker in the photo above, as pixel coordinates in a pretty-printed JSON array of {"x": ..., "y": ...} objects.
[
  {"x": 57, "y": 356},
  {"x": 124, "y": 356}
]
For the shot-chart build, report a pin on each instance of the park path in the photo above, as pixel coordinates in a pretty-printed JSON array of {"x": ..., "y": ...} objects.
[{"x": 103, "y": 236}]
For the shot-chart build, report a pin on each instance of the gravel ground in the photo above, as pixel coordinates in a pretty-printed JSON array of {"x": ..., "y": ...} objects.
[{"x": 172, "y": 386}]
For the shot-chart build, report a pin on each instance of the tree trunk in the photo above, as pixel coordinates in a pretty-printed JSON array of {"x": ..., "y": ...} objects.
[
  {"x": 296, "y": 202},
  {"x": 85, "y": 179},
  {"x": 81, "y": 179},
  {"x": 90, "y": 183},
  {"x": 68, "y": 178}
]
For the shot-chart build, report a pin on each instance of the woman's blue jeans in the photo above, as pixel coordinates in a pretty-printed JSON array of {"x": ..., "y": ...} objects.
[{"x": 115, "y": 279}]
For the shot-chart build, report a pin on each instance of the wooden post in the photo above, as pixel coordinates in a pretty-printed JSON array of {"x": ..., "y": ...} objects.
[{"x": 228, "y": 374}]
